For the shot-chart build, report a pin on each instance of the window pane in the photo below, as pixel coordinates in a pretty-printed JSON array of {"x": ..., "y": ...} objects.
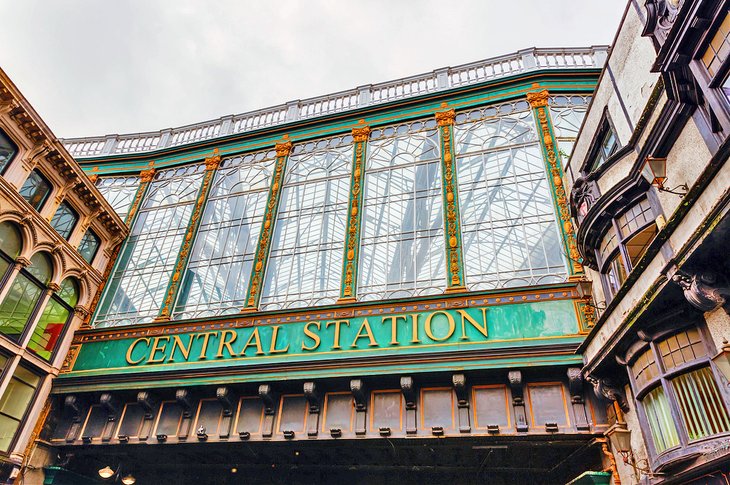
[
  {"x": 89, "y": 245},
  {"x": 615, "y": 274},
  {"x": 138, "y": 286},
  {"x": 548, "y": 404},
  {"x": 387, "y": 410},
  {"x": 41, "y": 267},
  {"x": 703, "y": 411},
  {"x": 7, "y": 151},
  {"x": 645, "y": 369},
  {"x": 509, "y": 230},
  {"x": 49, "y": 329},
  {"x": 402, "y": 240},
  {"x": 491, "y": 406},
  {"x": 437, "y": 408},
  {"x": 637, "y": 245},
  {"x": 216, "y": 279},
  {"x": 717, "y": 51},
  {"x": 662, "y": 427},
  {"x": 14, "y": 403},
  {"x": 64, "y": 220},
  {"x": 637, "y": 216},
  {"x": 567, "y": 113},
  {"x": 682, "y": 348},
  {"x": 119, "y": 192},
  {"x": 17, "y": 306},
  {"x": 11, "y": 242},
  {"x": 305, "y": 261},
  {"x": 35, "y": 189}
]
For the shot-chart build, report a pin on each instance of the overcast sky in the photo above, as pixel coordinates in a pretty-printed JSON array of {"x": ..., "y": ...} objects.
[{"x": 93, "y": 67}]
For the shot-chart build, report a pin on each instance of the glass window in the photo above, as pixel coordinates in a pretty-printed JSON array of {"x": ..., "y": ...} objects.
[
  {"x": 305, "y": 261},
  {"x": 7, "y": 151},
  {"x": 64, "y": 220},
  {"x": 402, "y": 238},
  {"x": 680, "y": 383},
  {"x": 719, "y": 49},
  {"x": 509, "y": 230},
  {"x": 23, "y": 296},
  {"x": 567, "y": 113},
  {"x": 36, "y": 189},
  {"x": 219, "y": 269},
  {"x": 119, "y": 192},
  {"x": 14, "y": 404},
  {"x": 11, "y": 242},
  {"x": 53, "y": 320},
  {"x": 138, "y": 285},
  {"x": 605, "y": 145},
  {"x": 89, "y": 245}
]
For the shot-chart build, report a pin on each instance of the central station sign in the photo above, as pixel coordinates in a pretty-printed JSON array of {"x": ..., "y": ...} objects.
[{"x": 442, "y": 330}]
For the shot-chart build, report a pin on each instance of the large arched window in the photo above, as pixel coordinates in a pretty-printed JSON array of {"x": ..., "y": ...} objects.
[
  {"x": 53, "y": 321},
  {"x": 11, "y": 243},
  {"x": 23, "y": 296}
]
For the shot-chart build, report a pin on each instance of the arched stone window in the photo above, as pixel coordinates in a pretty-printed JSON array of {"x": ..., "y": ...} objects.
[
  {"x": 54, "y": 320},
  {"x": 24, "y": 296}
]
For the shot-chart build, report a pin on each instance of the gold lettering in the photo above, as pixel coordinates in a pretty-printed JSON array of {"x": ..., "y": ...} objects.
[
  {"x": 274, "y": 335},
  {"x": 155, "y": 348},
  {"x": 429, "y": 332},
  {"x": 254, "y": 339},
  {"x": 465, "y": 317},
  {"x": 414, "y": 329},
  {"x": 315, "y": 338},
  {"x": 131, "y": 349},
  {"x": 206, "y": 336},
  {"x": 177, "y": 343},
  {"x": 337, "y": 323},
  {"x": 226, "y": 343},
  {"x": 394, "y": 327},
  {"x": 368, "y": 333}
]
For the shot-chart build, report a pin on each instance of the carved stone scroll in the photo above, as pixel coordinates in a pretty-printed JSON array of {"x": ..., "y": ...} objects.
[
  {"x": 607, "y": 388},
  {"x": 462, "y": 402},
  {"x": 111, "y": 405},
  {"x": 185, "y": 399},
  {"x": 518, "y": 403},
  {"x": 73, "y": 409},
  {"x": 409, "y": 395},
  {"x": 361, "y": 405},
  {"x": 575, "y": 384},
  {"x": 228, "y": 399},
  {"x": 313, "y": 404},
  {"x": 267, "y": 397}
]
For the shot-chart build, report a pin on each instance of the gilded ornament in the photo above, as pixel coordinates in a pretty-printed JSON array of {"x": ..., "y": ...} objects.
[
  {"x": 283, "y": 149},
  {"x": 146, "y": 176},
  {"x": 539, "y": 99}
]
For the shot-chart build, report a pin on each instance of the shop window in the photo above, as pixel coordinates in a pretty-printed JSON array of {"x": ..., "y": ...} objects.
[
  {"x": 292, "y": 414},
  {"x": 64, "y": 220},
  {"x": 625, "y": 242},
  {"x": 437, "y": 408},
  {"x": 8, "y": 150},
  {"x": 24, "y": 296},
  {"x": 339, "y": 411},
  {"x": 491, "y": 406},
  {"x": 676, "y": 384},
  {"x": 89, "y": 245},
  {"x": 547, "y": 404},
  {"x": 36, "y": 189},
  {"x": 250, "y": 415},
  {"x": 386, "y": 410},
  {"x": 15, "y": 403},
  {"x": 604, "y": 146}
]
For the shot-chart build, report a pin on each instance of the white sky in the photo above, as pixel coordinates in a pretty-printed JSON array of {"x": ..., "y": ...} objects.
[{"x": 93, "y": 67}]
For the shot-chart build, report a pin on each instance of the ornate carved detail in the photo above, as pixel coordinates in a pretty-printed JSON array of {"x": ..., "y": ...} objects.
[
  {"x": 660, "y": 18},
  {"x": 409, "y": 391},
  {"x": 539, "y": 102},
  {"x": 148, "y": 402},
  {"x": 514, "y": 377},
  {"x": 211, "y": 163},
  {"x": 582, "y": 197},
  {"x": 312, "y": 396},
  {"x": 185, "y": 399},
  {"x": 146, "y": 176},
  {"x": 589, "y": 313},
  {"x": 22, "y": 261},
  {"x": 283, "y": 149},
  {"x": 182, "y": 257},
  {"x": 459, "y": 381},
  {"x": 93, "y": 177},
  {"x": 73, "y": 406},
  {"x": 54, "y": 287},
  {"x": 539, "y": 99},
  {"x": 70, "y": 359},
  {"x": 445, "y": 118},
  {"x": 267, "y": 396},
  {"x": 575, "y": 384},
  {"x": 358, "y": 393},
  {"x": 109, "y": 403},
  {"x": 360, "y": 136},
  {"x": 454, "y": 280},
  {"x": 702, "y": 290},
  {"x": 227, "y": 398},
  {"x": 607, "y": 388},
  {"x": 282, "y": 152}
]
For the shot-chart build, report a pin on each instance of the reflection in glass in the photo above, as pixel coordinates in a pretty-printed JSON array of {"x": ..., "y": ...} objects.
[
  {"x": 7, "y": 151},
  {"x": 119, "y": 192},
  {"x": 137, "y": 288},
  {"x": 52, "y": 321},
  {"x": 23, "y": 296},
  {"x": 35, "y": 189},
  {"x": 89, "y": 245},
  {"x": 64, "y": 220},
  {"x": 402, "y": 239},
  {"x": 14, "y": 403},
  {"x": 567, "y": 113},
  {"x": 217, "y": 275},
  {"x": 305, "y": 261},
  {"x": 509, "y": 232}
]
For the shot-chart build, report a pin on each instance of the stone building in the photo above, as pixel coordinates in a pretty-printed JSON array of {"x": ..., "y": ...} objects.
[
  {"x": 57, "y": 236},
  {"x": 650, "y": 195}
]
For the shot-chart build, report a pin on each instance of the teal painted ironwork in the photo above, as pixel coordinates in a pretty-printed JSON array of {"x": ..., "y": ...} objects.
[
  {"x": 183, "y": 256},
  {"x": 539, "y": 103},
  {"x": 348, "y": 290},
  {"x": 454, "y": 257},
  {"x": 253, "y": 296}
]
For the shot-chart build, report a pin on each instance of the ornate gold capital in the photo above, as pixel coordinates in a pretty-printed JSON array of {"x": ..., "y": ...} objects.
[
  {"x": 147, "y": 175},
  {"x": 539, "y": 99},
  {"x": 445, "y": 118},
  {"x": 361, "y": 134},
  {"x": 211, "y": 163},
  {"x": 94, "y": 177},
  {"x": 283, "y": 149}
]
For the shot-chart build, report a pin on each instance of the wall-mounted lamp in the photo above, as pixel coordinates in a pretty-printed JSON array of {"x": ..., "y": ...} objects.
[
  {"x": 107, "y": 473},
  {"x": 655, "y": 171},
  {"x": 585, "y": 291},
  {"x": 620, "y": 438},
  {"x": 722, "y": 360}
]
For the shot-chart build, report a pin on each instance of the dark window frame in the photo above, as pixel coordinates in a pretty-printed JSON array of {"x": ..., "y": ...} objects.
[
  {"x": 42, "y": 376},
  {"x": 605, "y": 126},
  {"x": 66, "y": 325},
  {"x": 9, "y": 161},
  {"x": 73, "y": 211},
  {"x": 45, "y": 198},
  {"x": 96, "y": 250}
]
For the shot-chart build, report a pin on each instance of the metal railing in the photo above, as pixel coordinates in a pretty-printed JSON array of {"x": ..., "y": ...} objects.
[{"x": 523, "y": 61}]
